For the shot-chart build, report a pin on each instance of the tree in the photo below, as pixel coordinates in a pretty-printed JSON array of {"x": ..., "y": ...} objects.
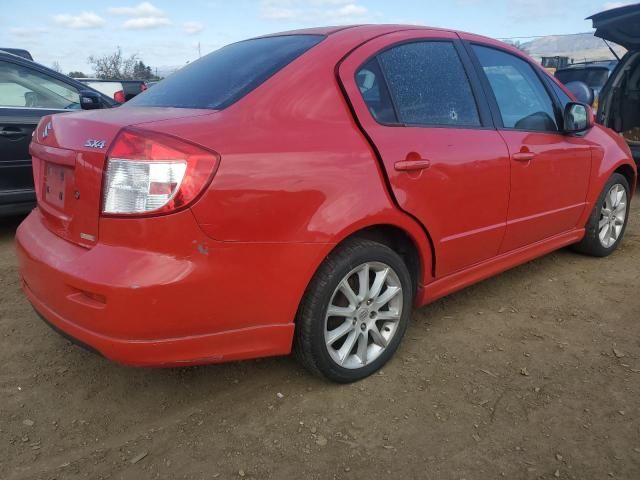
[
  {"x": 56, "y": 66},
  {"x": 518, "y": 44},
  {"x": 76, "y": 74},
  {"x": 114, "y": 66}
]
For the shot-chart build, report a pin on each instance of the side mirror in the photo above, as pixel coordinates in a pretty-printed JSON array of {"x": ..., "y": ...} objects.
[
  {"x": 89, "y": 100},
  {"x": 582, "y": 92},
  {"x": 578, "y": 118}
]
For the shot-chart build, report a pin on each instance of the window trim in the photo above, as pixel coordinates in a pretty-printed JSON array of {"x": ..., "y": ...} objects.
[
  {"x": 491, "y": 98},
  {"x": 482, "y": 107}
]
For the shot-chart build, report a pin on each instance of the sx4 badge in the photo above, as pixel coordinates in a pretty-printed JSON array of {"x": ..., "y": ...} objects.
[{"x": 95, "y": 143}]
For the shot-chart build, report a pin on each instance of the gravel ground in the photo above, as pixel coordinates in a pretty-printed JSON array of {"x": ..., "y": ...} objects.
[{"x": 533, "y": 374}]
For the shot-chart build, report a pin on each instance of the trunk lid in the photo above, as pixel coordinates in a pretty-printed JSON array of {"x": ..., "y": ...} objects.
[
  {"x": 620, "y": 25},
  {"x": 69, "y": 153}
]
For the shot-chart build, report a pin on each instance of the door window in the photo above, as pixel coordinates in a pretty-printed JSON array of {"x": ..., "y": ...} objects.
[
  {"x": 522, "y": 99},
  {"x": 24, "y": 87},
  {"x": 429, "y": 85},
  {"x": 374, "y": 91}
]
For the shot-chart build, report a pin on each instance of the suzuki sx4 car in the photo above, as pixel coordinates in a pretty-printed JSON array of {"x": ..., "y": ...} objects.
[{"x": 305, "y": 191}]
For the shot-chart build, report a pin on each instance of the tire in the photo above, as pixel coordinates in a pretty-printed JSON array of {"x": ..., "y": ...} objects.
[
  {"x": 592, "y": 244},
  {"x": 321, "y": 342}
]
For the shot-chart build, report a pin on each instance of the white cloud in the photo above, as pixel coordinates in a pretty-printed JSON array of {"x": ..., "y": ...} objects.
[
  {"x": 82, "y": 20},
  {"x": 192, "y": 27},
  {"x": 144, "y": 9},
  {"x": 144, "y": 23},
  {"x": 611, "y": 5},
  {"x": 143, "y": 16},
  {"x": 338, "y": 11},
  {"x": 27, "y": 32}
]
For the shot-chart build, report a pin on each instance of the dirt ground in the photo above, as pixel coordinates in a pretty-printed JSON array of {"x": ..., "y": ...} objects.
[{"x": 534, "y": 374}]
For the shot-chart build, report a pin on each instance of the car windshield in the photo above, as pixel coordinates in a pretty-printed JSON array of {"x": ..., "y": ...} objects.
[
  {"x": 593, "y": 77},
  {"x": 226, "y": 75}
]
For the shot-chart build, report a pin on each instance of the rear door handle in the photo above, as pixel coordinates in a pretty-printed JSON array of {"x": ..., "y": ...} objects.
[
  {"x": 412, "y": 165},
  {"x": 524, "y": 156}
]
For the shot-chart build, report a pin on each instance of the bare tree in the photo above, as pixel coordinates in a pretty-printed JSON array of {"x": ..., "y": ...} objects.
[
  {"x": 56, "y": 66},
  {"x": 519, "y": 45},
  {"x": 114, "y": 66}
]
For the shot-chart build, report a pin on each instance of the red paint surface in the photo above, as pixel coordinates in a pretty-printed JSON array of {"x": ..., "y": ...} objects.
[{"x": 222, "y": 279}]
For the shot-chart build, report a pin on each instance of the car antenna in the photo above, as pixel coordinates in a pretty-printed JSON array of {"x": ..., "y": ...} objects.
[{"x": 611, "y": 49}]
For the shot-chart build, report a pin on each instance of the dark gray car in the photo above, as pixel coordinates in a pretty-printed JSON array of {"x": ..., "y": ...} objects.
[{"x": 29, "y": 91}]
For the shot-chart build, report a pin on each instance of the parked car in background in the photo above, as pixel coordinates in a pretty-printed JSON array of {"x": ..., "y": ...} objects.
[
  {"x": 28, "y": 91},
  {"x": 119, "y": 90},
  {"x": 19, "y": 52},
  {"x": 312, "y": 197},
  {"x": 619, "y": 105},
  {"x": 593, "y": 74}
]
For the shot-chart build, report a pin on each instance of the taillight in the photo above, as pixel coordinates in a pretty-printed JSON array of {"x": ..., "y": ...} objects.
[
  {"x": 148, "y": 173},
  {"x": 143, "y": 87},
  {"x": 119, "y": 96}
]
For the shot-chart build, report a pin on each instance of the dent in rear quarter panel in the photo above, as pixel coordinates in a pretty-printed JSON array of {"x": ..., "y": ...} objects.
[{"x": 294, "y": 166}]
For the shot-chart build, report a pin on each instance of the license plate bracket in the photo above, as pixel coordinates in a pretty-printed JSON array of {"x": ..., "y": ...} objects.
[{"x": 55, "y": 185}]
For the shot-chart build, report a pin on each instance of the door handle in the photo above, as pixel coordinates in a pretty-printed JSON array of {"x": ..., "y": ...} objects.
[
  {"x": 523, "y": 156},
  {"x": 12, "y": 132},
  {"x": 412, "y": 165}
]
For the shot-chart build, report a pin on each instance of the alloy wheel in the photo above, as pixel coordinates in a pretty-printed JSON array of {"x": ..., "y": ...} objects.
[
  {"x": 612, "y": 215},
  {"x": 363, "y": 315}
]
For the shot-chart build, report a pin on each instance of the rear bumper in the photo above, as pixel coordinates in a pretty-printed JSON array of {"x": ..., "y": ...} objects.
[{"x": 218, "y": 303}]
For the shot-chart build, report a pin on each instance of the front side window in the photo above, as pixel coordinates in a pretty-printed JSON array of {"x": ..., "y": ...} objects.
[
  {"x": 23, "y": 87},
  {"x": 522, "y": 99},
  {"x": 429, "y": 84}
]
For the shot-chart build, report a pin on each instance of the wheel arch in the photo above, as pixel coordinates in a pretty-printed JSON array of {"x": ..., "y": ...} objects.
[{"x": 629, "y": 173}]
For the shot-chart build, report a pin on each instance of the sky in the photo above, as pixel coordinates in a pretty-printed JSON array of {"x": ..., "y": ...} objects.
[{"x": 166, "y": 33}]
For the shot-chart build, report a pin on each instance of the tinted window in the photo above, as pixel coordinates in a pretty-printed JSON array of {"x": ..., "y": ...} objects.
[
  {"x": 593, "y": 77},
  {"x": 522, "y": 99},
  {"x": 374, "y": 92},
  {"x": 429, "y": 84},
  {"x": 226, "y": 75},
  {"x": 23, "y": 87}
]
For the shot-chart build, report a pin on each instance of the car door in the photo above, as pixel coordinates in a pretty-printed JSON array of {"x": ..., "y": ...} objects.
[
  {"x": 26, "y": 95},
  {"x": 550, "y": 171},
  {"x": 416, "y": 97}
]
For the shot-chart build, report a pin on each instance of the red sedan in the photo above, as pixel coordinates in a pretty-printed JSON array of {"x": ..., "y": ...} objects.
[{"x": 305, "y": 190}]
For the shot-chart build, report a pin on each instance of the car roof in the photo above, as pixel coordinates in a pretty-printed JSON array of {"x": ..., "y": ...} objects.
[{"x": 363, "y": 32}]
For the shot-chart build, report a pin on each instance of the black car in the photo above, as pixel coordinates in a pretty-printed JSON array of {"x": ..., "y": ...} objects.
[
  {"x": 28, "y": 91},
  {"x": 593, "y": 74},
  {"x": 619, "y": 106},
  {"x": 21, "y": 52}
]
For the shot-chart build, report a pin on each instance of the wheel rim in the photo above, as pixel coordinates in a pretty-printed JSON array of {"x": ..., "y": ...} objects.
[
  {"x": 363, "y": 315},
  {"x": 612, "y": 216}
]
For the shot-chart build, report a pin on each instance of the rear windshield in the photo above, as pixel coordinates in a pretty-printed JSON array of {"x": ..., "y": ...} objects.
[
  {"x": 226, "y": 75},
  {"x": 593, "y": 77}
]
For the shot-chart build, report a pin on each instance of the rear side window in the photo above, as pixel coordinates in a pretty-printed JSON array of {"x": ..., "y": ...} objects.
[
  {"x": 429, "y": 85},
  {"x": 226, "y": 75},
  {"x": 522, "y": 98}
]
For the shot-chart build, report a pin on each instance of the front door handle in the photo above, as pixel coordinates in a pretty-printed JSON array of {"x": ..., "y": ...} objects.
[
  {"x": 412, "y": 165},
  {"x": 12, "y": 132},
  {"x": 524, "y": 156}
]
